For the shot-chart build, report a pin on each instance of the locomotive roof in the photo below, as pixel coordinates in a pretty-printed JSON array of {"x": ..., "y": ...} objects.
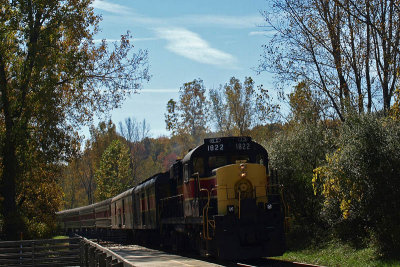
[{"x": 228, "y": 141}]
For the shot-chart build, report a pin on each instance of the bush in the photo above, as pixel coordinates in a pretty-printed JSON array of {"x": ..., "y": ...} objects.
[
  {"x": 360, "y": 182},
  {"x": 295, "y": 153}
]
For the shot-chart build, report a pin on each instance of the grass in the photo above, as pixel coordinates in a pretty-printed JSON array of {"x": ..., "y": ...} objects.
[
  {"x": 60, "y": 237},
  {"x": 335, "y": 253}
]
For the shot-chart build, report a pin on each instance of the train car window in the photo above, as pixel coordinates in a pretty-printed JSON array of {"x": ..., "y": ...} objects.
[
  {"x": 186, "y": 173},
  {"x": 198, "y": 166},
  {"x": 216, "y": 162},
  {"x": 123, "y": 211}
]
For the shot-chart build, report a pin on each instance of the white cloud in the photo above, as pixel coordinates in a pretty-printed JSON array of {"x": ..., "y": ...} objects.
[
  {"x": 111, "y": 7},
  {"x": 249, "y": 21},
  {"x": 190, "y": 45},
  {"x": 124, "y": 12}
]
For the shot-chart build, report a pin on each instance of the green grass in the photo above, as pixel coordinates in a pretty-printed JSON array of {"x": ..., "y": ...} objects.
[
  {"x": 335, "y": 253},
  {"x": 60, "y": 237}
]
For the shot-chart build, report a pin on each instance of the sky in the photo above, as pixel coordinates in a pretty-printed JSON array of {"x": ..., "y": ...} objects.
[{"x": 210, "y": 39}]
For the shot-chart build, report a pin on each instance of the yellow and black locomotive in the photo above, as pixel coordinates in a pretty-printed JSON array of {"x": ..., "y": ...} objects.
[{"x": 219, "y": 200}]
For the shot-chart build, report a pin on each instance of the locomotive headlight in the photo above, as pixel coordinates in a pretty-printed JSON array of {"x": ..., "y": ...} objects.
[
  {"x": 243, "y": 170},
  {"x": 242, "y": 167}
]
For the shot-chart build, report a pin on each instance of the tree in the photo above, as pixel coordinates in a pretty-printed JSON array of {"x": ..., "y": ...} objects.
[
  {"x": 134, "y": 132},
  {"x": 79, "y": 183},
  {"x": 113, "y": 175},
  {"x": 347, "y": 50},
  {"x": 53, "y": 77},
  {"x": 304, "y": 106},
  {"x": 380, "y": 18},
  {"x": 237, "y": 107},
  {"x": 189, "y": 116}
]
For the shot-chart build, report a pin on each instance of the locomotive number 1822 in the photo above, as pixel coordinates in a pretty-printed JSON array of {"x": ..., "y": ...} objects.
[{"x": 216, "y": 147}]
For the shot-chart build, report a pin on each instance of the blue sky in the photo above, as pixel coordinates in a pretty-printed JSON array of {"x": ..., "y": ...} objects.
[{"x": 186, "y": 40}]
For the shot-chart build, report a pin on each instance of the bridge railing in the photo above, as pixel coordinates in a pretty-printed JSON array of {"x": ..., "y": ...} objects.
[
  {"x": 93, "y": 254},
  {"x": 47, "y": 252},
  {"x": 75, "y": 251}
]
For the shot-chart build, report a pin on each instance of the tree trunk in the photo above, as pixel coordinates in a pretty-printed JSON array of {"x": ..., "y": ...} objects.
[
  {"x": 12, "y": 223},
  {"x": 12, "y": 220}
]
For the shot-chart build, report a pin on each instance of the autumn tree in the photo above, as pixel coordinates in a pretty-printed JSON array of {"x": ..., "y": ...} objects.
[
  {"x": 237, "y": 107},
  {"x": 305, "y": 107},
  {"x": 189, "y": 117},
  {"x": 70, "y": 182},
  {"x": 79, "y": 182},
  {"x": 113, "y": 175},
  {"x": 53, "y": 77},
  {"x": 347, "y": 50},
  {"x": 134, "y": 132}
]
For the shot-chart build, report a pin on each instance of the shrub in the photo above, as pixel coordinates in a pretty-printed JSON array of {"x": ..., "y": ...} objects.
[
  {"x": 295, "y": 153},
  {"x": 360, "y": 182}
]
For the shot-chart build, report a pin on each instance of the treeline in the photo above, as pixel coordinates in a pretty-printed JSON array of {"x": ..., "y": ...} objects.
[
  {"x": 117, "y": 158},
  {"x": 338, "y": 155},
  {"x": 113, "y": 161}
]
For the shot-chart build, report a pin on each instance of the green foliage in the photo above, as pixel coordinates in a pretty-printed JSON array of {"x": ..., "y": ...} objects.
[
  {"x": 295, "y": 153},
  {"x": 113, "y": 175},
  {"x": 361, "y": 179}
]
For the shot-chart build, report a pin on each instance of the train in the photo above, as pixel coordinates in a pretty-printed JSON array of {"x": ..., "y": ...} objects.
[{"x": 219, "y": 200}]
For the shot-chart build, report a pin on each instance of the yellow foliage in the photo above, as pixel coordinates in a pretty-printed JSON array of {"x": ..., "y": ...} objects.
[
  {"x": 395, "y": 109},
  {"x": 335, "y": 185}
]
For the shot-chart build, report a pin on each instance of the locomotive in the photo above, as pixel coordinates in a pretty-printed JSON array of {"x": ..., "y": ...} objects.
[{"x": 219, "y": 200}]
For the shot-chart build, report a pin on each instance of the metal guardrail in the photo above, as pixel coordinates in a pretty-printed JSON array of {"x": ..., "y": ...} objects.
[{"x": 93, "y": 255}]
